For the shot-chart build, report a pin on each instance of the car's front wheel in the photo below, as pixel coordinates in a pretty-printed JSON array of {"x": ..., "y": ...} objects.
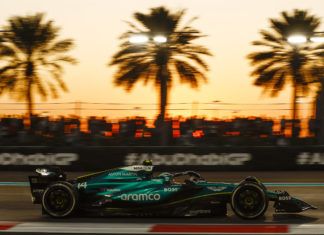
[
  {"x": 249, "y": 200},
  {"x": 59, "y": 199}
]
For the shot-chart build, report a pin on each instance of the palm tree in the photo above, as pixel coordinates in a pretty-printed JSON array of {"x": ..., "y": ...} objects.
[
  {"x": 31, "y": 59},
  {"x": 161, "y": 63},
  {"x": 280, "y": 63}
]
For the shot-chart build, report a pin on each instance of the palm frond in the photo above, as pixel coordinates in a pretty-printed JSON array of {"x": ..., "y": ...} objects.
[
  {"x": 66, "y": 59},
  {"x": 261, "y": 56},
  {"x": 269, "y": 65},
  {"x": 129, "y": 74},
  {"x": 189, "y": 74},
  {"x": 272, "y": 38},
  {"x": 267, "y": 77},
  {"x": 281, "y": 63},
  {"x": 31, "y": 47},
  {"x": 61, "y": 46},
  {"x": 145, "y": 62}
]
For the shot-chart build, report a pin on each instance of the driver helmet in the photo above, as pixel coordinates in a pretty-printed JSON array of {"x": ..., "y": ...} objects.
[
  {"x": 147, "y": 162},
  {"x": 149, "y": 171}
]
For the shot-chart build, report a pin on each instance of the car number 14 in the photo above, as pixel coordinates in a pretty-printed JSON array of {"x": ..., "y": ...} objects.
[{"x": 82, "y": 185}]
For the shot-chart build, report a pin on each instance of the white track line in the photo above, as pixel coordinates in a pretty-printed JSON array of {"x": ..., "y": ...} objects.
[
  {"x": 306, "y": 229},
  {"x": 133, "y": 228},
  {"x": 81, "y": 228}
]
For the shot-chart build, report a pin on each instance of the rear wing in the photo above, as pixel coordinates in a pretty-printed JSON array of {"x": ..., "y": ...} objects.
[{"x": 38, "y": 183}]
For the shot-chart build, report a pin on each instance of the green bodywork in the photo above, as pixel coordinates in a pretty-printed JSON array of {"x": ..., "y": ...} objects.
[
  {"x": 120, "y": 185},
  {"x": 134, "y": 187},
  {"x": 133, "y": 190}
]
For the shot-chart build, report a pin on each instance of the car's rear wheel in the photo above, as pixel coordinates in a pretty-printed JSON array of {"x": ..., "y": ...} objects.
[
  {"x": 59, "y": 200},
  {"x": 249, "y": 200}
]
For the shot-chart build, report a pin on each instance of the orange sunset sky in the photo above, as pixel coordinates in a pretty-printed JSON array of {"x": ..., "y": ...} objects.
[{"x": 95, "y": 25}]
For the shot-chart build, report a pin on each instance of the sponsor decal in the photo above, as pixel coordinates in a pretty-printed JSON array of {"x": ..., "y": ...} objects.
[
  {"x": 34, "y": 180},
  {"x": 38, "y": 190},
  {"x": 170, "y": 189},
  {"x": 198, "y": 212},
  {"x": 156, "y": 180},
  {"x": 112, "y": 190},
  {"x": 307, "y": 158},
  {"x": 138, "y": 168},
  {"x": 216, "y": 189},
  {"x": 140, "y": 197},
  {"x": 36, "y": 159},
  {"x": 284, "y": 198},
  {"x": 232, "y": 159},
  {"x": 122, "y": 173}
]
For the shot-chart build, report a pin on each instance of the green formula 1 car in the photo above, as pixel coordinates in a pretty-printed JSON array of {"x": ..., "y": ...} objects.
[{"x": 133, "y": 191}]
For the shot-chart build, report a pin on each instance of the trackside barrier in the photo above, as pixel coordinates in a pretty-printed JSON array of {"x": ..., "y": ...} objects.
[
  {"x": 128, "y": 228},
  {"x": 165, "y": 158}
]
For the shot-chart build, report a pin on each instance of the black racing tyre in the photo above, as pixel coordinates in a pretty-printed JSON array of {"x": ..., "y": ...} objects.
[
  {"x": 59, "y": 199},
  {"x": 255, "y": 180},
  {"x": 249, "y": 200}
]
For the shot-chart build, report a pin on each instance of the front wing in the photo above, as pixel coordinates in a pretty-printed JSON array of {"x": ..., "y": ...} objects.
[{"x": 284, "y": 203}]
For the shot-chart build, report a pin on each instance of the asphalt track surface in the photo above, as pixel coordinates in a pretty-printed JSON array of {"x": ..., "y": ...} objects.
[{"x": 15, "y": 201}]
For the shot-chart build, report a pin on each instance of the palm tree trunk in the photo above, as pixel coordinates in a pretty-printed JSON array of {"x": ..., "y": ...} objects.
[
  {"x": 29, "y": 96},
  {"x": 162, "y": 126},
  {"x": 30, "y": 103},
  {"x": 163, "y": 92},
  {"x": 319, "y": 115},
  {"x": 294, "y": 115}
]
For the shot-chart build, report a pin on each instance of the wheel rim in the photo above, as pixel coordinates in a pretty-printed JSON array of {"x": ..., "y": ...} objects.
[
  {"x": 58, "y": 200},
  {"x": 249, "y": 202}
]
